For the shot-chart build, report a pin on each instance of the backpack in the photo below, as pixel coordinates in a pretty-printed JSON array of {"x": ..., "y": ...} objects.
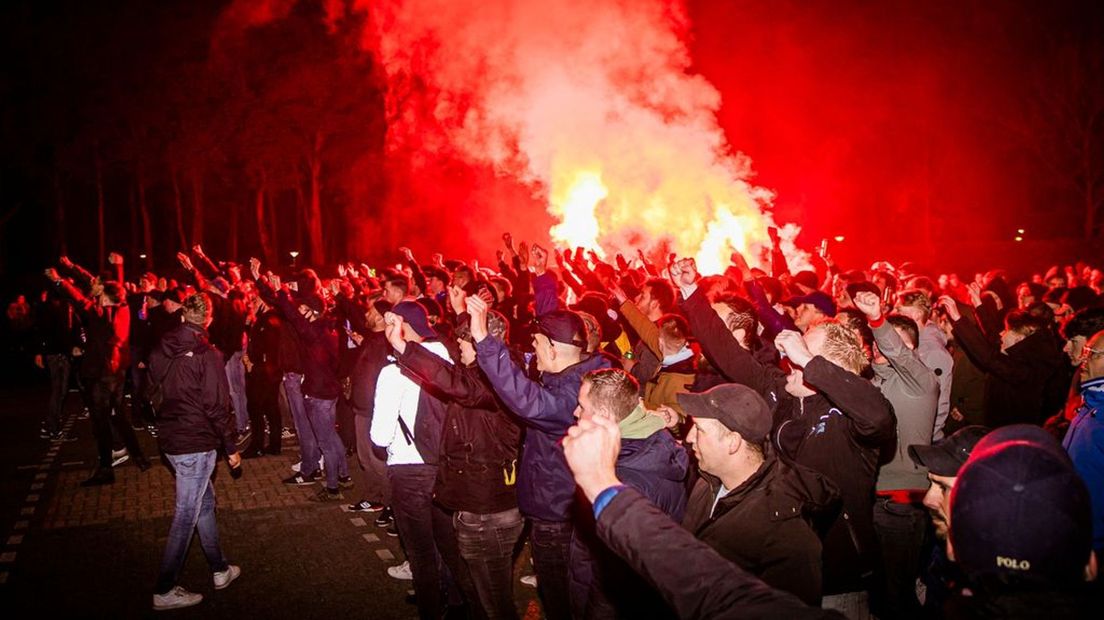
[{"x": 429, "y": 427}]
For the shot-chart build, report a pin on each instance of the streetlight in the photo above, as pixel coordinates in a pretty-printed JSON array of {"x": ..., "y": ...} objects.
[{"x": 294, "y": 255}]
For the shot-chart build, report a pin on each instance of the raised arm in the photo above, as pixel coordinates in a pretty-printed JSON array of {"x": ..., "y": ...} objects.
[{"x": 448, "y": 379}]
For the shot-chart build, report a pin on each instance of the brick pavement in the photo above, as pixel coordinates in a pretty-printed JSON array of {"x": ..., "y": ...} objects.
[{"x": 93, "y": 552}]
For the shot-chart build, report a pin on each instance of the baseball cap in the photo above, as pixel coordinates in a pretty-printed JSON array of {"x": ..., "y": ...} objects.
[
  {"x": 563, "y": 326},
  {"x": 946, "y": 456},
  {"x": 415, "y": 316},
  {"x": 595, "y": 305},
  {"x": 818, "y": 299},
  {"x": 1019, "y": 510},
  {"x": 738, "y": 407}
]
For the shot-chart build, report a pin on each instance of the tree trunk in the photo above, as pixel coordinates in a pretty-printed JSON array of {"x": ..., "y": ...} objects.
[
  {"x": 59, "y": 206},
  {"x": 197, "y": 207},
  {"x": 100, "y": 209},
  {"x": 314, "y": 211},
  {"x": 178, "y": 207},
  {"x": 300, "y": 213},
  {"x": 274, "y": 223},
  {"x": 232, "y": 231},
  {"x": 143, "y": 211},
  {"x": 262, "y": 223}
]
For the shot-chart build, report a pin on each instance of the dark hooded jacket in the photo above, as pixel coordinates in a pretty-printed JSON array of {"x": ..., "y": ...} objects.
[
  {"x": 770, "y": 525},
  {"x": 546, "y": 489},
  {"x": 195, "y": 410},
  {"x": 1018, "y": 381},
  {"x": 318, "y": 345}
]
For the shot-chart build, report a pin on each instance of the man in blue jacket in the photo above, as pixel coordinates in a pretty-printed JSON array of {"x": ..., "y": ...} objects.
[
  {"x": 1084, "y": 440},
  {"x": 546, "y": 489}
]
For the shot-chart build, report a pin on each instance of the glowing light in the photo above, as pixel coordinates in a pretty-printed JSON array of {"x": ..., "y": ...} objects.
[
  {"x": 1020, "y": 231},
  {"x": 294, "y": 253},
  {"x": 1019, "y": 238},
  {"x": 142, "y": 256},
  {"x": 839, "y": 238},
  {"x": 576, "y": 207}
]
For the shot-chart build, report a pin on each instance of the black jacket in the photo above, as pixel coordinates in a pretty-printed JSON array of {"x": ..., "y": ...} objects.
[
  {"x": 769, "y": 525},
  {"x": 1017, "y": 382},
  {"x": 838, "y": 432},
  {"x": 317, "y": 345},
  {"x": 694, "y": 580},
  {"x": 479, "y": 448},
  {"x": 57, "y": 328},
  {"x": 195, "y": 411},
  {"x": 107, "y": 334},
  {"x": 264, "y": 344},
  {"x": 371, "y": 358}
]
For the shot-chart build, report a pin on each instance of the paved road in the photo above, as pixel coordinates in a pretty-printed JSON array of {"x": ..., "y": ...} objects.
[{"x": 72, "y": 552}]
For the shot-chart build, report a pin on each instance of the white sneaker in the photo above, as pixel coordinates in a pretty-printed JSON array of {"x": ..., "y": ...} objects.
[
  {"x": 402, "y": 571},
  {"x": 530, "y": 580},
  {"x": 176, "y": 598},
  {"x": 298, "y": 466},
  {"x": 118, "y": 457},
  {"x": 223, "y": 579}
]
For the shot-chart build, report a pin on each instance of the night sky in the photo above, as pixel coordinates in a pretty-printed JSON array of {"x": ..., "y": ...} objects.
[{"x": 929, "y": 130}]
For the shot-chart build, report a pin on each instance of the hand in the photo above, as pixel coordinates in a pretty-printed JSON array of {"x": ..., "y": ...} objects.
[
  {"x": 869, "y": 304},
  {"x": 950, "y": 308},
  {"x": 234, "y": 460},
  {"x": 508, "y": 240},
  {"x": 274, "y": 281},
  {"x": 477, "y": 309},
  {"x": 956, "y": 415},
  {"x": 500, "y": 256},
  {"x": 617, "y": 292},
  {"x": 65, "y": 262},
  {"x": 740, "y": 263},
  {"x": 52, "y": 274},
  {"x": 198, "y": 249},
  {"x": 248, "y": 363},
  {"x": 685, "y": 275},
  {"x": 438, "y": 261},
  {"x": 792, "y": 345},
  {"x": 974, "y": 290},
  {"x": 114, "y": 258},
  {"x": 38, "y": 361},
  {"x": 185, "y": 261},
  {"x": 996, "y": 299},
  {"x": 670, "y": 416},
  {"x": 457, "y": 298},
  {"x": 341, "y": 271},
  {"x": 486, "y": 295},
  {"x": 540, "y": 259},
  {"x": 593, "y": 256},
  {"x": 772, "y": 232},
  {"x": 255, "y": 268},
  {"x": 622, "y": 264},
  {"x": 591, "y": 448},
  {"x": 407, "y": 254},
  {"x": 523, "y": 254},
  {"x": 579, "y": 254},
  {"x": 392, "y": 329}
]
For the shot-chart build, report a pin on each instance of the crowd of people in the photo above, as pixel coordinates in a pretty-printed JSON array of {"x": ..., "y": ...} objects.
[{"x": 759, "y": 443}]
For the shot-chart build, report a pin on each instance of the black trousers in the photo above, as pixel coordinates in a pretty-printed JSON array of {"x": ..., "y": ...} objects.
[
  {"x": 107, "y": 397},
  {"x": 262, "y": 393}
]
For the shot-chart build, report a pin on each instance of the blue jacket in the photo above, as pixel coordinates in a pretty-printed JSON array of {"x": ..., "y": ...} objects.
[
  {"x": 657, "y": 467},
  {"x": 545, "y": 489},
  {"x": 1084, "y": 442}
]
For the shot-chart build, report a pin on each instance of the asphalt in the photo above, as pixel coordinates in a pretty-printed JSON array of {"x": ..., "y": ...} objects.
[{"x": 72, "y": 552}]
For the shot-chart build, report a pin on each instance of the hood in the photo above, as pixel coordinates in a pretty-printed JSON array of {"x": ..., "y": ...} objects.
[
  {"x": 186, "y": 338},
  {"x": 1038, "y": 348},
  {"x": 657, "y": 456}
]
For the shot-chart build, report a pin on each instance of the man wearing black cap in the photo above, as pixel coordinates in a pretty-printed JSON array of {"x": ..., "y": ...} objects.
[
  {"x": 807, "y": 309},
  {"x": 1021, "y": 529},
  {"x": 546, "y": 489},
  {"x": 755, "y": 510},
  {"x": 943, "y": 459}
]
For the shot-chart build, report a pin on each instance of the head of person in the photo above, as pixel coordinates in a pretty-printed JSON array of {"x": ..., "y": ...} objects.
[
  {"x": 311, "y": 307},
  {"x": 608, "y": 392},
  {"x": 1018, "y": 326},
  {"x": 943, "y": 459},
  {"x": 1021, "y": 517},
  {"x": 559, "y": 340},
  {"x": 112, "y": 294},
  {"x": 173, "y": 300},
  {"x": 906, "y": 328},
  {"x": 197, "y": 310},
  {"x": 593, "y": 330},
  {"x": 656, "y": 298},
  {"x": 437, "y": 280},
  {"x": 855, "y": 320},
  {"x": 1027, "y": 293},
  {"x": 923, "y": 284},
  {"x": 834, "y": 342},
  {"x": 674, "y": 333},
  {"x": 415, "y": 321},
  {"x": 846, "y": 297},
  {"x": 497, "y": 327},
  {"x": 502, "y": 286},
  {"x": 396, "y": 287},
  {"x": 1079, "y": 329},
  {"x": 1092, "y": 358},
  {"x": 811, "y": 308},
  {"x": 376, "y": 307},
  {"x": 916, "y": 304},
  {"x": 595, "y": 310},
  {"x": 730, "y": 425},
  {"x": 463, "y": 277},
  {"x": 741, "y": 320}
]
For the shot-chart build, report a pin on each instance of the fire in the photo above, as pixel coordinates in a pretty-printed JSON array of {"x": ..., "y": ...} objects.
[{"x": 576, "y": 206}]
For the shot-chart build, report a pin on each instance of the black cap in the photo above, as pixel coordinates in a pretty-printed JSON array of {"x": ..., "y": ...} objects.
[
  {"x": 738, "y": 407},
  {"x": 414, "y": 314},
  {"x": 946, "y": 456},
  {"x": 818, "y": 299},
  {"x": 563, "y": 326}
]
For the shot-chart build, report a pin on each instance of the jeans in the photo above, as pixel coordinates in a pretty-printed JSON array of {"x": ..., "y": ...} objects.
[
  {"x": 900, "y": 529},
  {"x": 321, "y": 417},
  {"x": 59, "y": 388},
  {"x": 412, "y": 486},
  {"x": 107, "y": 396},
  {"x": 235, "y": 375},
  {"x": 487, "y": 544},
  {"x": 308, "y": 447},
  {"x": 195, "y": 512},
  {"x": 550, "y": 544}
]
